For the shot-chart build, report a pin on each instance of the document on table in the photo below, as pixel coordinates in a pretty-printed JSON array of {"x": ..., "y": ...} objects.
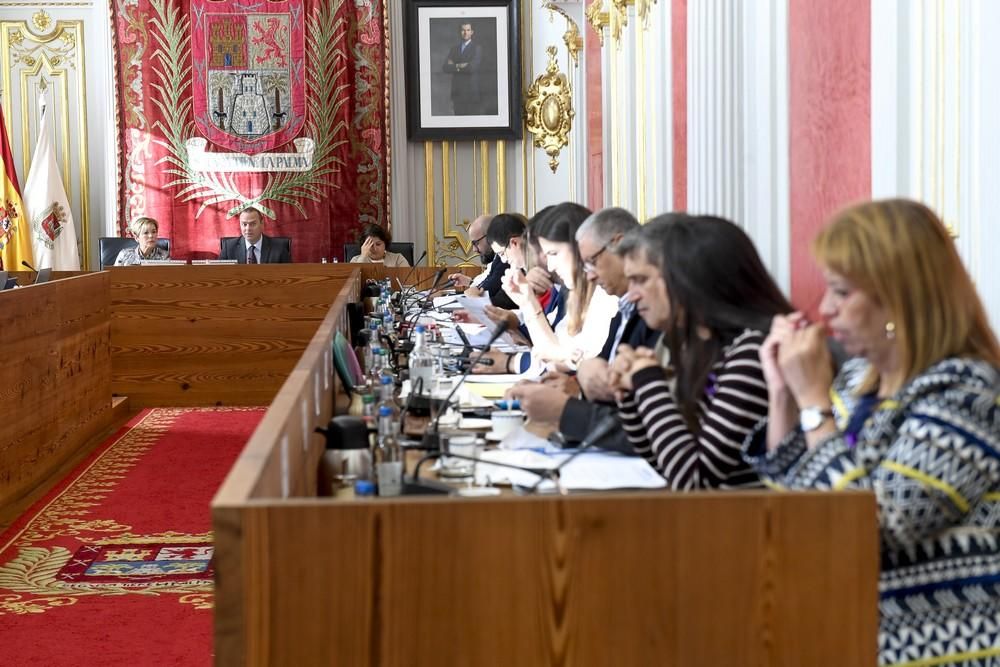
[
  {"x": 477, "y": 334},
  {"x": 589, "y": 471},
  {"x": 475, "y": 306}
]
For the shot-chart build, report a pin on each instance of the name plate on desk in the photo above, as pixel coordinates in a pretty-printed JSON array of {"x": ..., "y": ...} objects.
[
  {"x": 213, "y": 261},
  {"x": 163, "y": 262}
]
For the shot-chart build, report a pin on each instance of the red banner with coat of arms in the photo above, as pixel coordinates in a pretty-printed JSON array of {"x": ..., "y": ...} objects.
[{"x": 279, "y": 105}]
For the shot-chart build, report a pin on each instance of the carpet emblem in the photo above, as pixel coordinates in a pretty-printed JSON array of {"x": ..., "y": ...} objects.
[
  {"x": 73, "y": 544},
  {"x": 131, "y": 565}
]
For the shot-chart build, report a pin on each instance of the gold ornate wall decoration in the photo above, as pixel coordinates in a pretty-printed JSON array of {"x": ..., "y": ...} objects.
[
  {"x": 598, "y": 18},
  {"x": 572, "y": 36},
  {"x": 59, "y": 49},
  {"x": 41, "y": 20},
  {"x": 618, "y": 18},
  {"x": 642, "y": 10},
  {"x": 549, "y": 110},
  {"x": 454, "y": 247}
]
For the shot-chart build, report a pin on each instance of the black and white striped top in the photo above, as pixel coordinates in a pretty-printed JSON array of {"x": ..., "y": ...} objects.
[{"x": 734, "y": 402}]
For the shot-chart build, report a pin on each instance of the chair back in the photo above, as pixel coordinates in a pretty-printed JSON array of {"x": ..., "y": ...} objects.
[
  {"x": 283, "y": 242},
  {"x": 110, "y": 246},
  {"x": 405, "y": 249}
]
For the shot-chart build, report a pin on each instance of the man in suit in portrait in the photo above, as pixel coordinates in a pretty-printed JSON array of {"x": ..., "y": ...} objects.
[
  {"x": 253, "y": 247},
  {"x": 464, "y": 63}
]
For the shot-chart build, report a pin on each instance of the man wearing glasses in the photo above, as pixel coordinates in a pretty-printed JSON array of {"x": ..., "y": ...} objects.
[
  {"x": 487, "y": 282},
  {"x": 547, "y": 401}
]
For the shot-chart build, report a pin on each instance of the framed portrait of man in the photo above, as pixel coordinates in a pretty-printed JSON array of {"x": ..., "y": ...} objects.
[{"x": 463, "y": 69}]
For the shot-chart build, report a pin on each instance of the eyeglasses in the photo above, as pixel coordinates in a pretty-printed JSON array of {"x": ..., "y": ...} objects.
[
  {"x": 589, "y": 264},
  {"x": 476, "y": 242}
]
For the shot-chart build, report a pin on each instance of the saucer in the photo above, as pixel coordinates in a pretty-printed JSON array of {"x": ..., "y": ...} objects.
[
  {"x": 475, "y": 424},
  {"x": 478, "y": 491},
  {"x": 493, "y": 436}
]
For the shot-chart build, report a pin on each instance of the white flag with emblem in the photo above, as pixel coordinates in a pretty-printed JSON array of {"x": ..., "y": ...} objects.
[{"x": 53, "y": 235}]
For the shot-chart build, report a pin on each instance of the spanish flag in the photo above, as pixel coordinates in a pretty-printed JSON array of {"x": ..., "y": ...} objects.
[{"x": 15, "y": 232}]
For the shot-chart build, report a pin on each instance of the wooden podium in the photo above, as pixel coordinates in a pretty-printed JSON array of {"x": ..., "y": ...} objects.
[{"x": 728, "y": 578}]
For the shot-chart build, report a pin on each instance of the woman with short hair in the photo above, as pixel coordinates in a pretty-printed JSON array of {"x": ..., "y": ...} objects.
[
  {"x": 374, "y": 248},
  {"x": 146, "y": 231},
  {"x": 914, "y": 418}
]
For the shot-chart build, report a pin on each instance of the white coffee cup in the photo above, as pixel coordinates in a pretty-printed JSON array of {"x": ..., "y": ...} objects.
[
  {"x": 505, "y": 422},
  {"x": 461, "y": 445}
]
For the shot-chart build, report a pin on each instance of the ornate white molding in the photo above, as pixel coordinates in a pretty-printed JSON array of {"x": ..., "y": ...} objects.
[{"x": 737, "y": 116}]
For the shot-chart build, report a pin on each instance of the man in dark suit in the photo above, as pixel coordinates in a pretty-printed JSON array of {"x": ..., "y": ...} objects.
[
  {"x": 578, "y": 415},
  {"x": 487, "y": 282},
  {"x": 464, "y": 63},
  {"x": 253, "y": 247}
]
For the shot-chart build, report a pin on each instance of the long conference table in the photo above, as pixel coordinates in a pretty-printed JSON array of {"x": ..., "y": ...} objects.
[{"x": 641, "y": 578}]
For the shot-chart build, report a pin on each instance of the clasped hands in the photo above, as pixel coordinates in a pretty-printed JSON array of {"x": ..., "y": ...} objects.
[
  {"x": 796, "y": 362},
  {"x": 627, "y": 362},
  {"x": 545, "y": 400}
]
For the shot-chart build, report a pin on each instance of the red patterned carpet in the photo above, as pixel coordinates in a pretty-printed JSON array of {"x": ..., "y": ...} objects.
[{"x": 113, "y": 566}]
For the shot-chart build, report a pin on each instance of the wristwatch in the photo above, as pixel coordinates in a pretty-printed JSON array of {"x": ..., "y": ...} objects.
[{"x": 812, "y": 417}]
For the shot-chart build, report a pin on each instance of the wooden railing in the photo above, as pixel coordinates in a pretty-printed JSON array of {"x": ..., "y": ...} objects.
[
  {"x": 628, "y": 578},
  {"x": 215, "y": 335},
  {"x": 55, "y": 377}
]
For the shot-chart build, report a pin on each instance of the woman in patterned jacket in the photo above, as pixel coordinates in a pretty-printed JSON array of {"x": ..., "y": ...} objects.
[{"x": 914, "y": 418}]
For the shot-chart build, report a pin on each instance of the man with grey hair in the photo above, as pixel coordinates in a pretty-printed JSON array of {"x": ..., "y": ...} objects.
[{"x": 596, "y": 239}]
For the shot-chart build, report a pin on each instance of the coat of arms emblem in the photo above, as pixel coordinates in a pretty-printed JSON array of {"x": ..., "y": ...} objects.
[{"x": 248, "y": 63}]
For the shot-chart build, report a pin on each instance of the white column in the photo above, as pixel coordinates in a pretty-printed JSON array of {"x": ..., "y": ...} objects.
[
  {"x": 933, "y": 134},
  {"x": 738, "y": 121}
]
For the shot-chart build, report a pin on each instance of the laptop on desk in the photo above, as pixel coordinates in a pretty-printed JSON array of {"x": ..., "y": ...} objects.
[{"x": 43, "y": 276}]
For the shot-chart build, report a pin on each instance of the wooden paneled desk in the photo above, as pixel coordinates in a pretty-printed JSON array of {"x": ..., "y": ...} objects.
[
  {"x": 605, "y": 579},
  {"x": 55, "y": 376}
]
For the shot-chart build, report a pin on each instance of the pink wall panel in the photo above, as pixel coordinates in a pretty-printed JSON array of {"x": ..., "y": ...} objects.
[
  {"x": 830, "y": 120},
  {"x": 595, "y": 120},
  {"x": 678, "y": 47}
]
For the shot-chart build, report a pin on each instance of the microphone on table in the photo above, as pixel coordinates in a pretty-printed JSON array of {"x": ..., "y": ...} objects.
[
  {"x": 603, "y": 427},
  {"x": 410, "y": 318},
  {"x": 410, "y": 272},
  {"x": 437, "y": 280},
  {"x": 430, "y": 439},
  {"x": 28, "y": 266}
]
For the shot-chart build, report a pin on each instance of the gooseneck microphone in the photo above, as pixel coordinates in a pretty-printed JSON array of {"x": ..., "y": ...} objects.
[
  {"x": 28, "y": 266},
  {"x": 603, "y": 427},
  {"x": 431, "y": 440},
  {"x": 409, "y": 291},
  {"x": 410, "y": 272}
]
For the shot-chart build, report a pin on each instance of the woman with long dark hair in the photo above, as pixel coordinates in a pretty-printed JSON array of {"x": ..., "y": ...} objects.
[
  {"x": 700, "y": 281},
  {"x": 579, "y": 332}
]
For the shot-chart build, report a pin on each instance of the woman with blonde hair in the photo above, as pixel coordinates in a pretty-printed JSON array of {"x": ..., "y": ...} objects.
[
  {"x": 914, "y": 418},
  {"x": 146, "y": 231}
]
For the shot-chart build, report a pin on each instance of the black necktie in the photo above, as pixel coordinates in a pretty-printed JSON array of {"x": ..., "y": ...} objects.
[{"x": 252, "y": 257}]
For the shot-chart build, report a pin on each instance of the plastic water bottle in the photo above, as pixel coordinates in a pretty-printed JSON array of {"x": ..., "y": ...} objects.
[
  {"x": 422, "y": 364},
  {"x": 387, "y": 399},
  {"x": 370, "y": 346},
  {"x": 388, "y": 456}
]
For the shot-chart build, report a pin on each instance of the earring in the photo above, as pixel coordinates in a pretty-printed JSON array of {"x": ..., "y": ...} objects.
[{"x": 890, "y": 330}]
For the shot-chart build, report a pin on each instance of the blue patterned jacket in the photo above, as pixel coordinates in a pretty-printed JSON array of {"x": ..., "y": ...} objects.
[{"x": 931, "y": 455}]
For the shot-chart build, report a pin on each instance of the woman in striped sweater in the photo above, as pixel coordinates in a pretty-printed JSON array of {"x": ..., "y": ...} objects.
[{"x": 701, "y": 282}]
